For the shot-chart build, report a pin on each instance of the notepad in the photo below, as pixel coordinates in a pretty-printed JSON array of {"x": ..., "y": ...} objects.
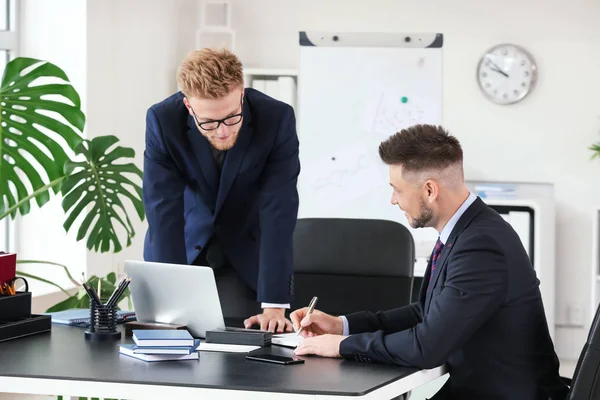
[
  {"x": 287, "y": 339},
  {"x": 227, "y": 348},
  {"x": 81, "y": 316}
]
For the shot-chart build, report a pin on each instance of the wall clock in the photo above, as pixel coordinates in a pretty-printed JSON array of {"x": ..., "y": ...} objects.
[{"x": 506, "y": 73}]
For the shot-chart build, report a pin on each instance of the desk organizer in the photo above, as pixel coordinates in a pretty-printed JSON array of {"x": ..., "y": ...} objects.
[
  {"x": 103, "y": 325},
  {"x": 25, "y": 327},
  {"x": 15, "y": 307},
  {"x": 16, "y": 319}
]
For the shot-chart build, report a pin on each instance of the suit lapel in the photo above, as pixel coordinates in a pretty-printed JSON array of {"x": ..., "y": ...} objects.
[
  {"x": 205, "y": 161},
  {"x": 234, "y": 158},
  {"x": 462, "y": 223}
]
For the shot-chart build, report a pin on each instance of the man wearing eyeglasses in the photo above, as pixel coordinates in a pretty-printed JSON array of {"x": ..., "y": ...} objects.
[{"x": 220, "y": 172}]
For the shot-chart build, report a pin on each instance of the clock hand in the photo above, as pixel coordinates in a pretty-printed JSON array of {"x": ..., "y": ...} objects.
[{"x": 498, "y": 70}]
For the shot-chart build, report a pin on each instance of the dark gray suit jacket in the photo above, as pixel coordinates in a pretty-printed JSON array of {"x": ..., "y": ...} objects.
[{"x": 482, "y": 315}]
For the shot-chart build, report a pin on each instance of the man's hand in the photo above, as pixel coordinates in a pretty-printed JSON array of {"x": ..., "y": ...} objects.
[
  {"x": 316, "y": 323},
  {"x": 272, "y": 319},
  {"x": 324, "y": 346}
]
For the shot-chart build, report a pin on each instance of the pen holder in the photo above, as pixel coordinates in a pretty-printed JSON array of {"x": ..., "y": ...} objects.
[{"x": 103, "y": 322}]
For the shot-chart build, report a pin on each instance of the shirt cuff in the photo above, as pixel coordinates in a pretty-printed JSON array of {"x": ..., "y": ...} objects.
[
  {"x": 346, "y": 330},
  {"x": 274, "y": 305}
]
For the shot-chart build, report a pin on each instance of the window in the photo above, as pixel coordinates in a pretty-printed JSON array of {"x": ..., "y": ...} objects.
[{"x": 8, "y": 48}]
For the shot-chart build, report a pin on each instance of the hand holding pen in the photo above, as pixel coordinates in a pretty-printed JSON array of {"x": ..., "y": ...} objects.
[{"x": 312, "y": 322}]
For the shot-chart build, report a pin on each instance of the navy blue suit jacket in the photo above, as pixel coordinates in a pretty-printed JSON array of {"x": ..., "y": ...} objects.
[
  {"x": 252, "y": 209},
  {"x": 482, "y": 315}
]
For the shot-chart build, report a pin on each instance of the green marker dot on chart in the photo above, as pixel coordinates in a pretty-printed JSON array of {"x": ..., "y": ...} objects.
[{"x": 404, "y": 99}]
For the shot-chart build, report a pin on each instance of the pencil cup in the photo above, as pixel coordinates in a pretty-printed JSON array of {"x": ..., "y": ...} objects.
[{"x": 103, "y": 322}]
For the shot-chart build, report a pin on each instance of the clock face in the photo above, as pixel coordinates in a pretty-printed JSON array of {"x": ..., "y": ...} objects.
[{"x": 506, "y": 74}]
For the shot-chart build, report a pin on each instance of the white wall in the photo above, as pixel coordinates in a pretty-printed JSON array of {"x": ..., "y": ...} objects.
[
  {"x": 121, "y": 56},
  {"x": 134, "y": 48},
  {"x": 40, "y": 234},
  {"x": 544, "y": 139}
]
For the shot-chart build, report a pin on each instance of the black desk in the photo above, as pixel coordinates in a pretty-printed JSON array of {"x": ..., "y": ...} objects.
[{"x": 63, "y": 362}]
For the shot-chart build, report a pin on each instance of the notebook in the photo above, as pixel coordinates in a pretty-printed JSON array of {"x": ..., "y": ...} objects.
[
  {"x": 128, "y": 350},
  {"x": 162, "y": 337},
  {"x": 81, "y": 316},
  {"x": 166, "y": 350},
  {"x": 8, "y": 266},
  {"x": 287, "y": 339}
]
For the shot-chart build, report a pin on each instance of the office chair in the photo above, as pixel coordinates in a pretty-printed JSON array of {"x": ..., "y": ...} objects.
[
  {"x": 585, "y": 384},
  {"x": 352, "y": 264}
]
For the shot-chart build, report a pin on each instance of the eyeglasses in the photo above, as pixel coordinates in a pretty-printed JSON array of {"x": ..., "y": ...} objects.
[{"x": 214, "y": 124}]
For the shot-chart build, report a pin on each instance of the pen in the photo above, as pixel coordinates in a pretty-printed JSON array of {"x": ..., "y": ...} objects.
[
  {"x": 115, "y": 291},
  {"x": 311, "y": 307},
  {"x": 123, "y": 286}
]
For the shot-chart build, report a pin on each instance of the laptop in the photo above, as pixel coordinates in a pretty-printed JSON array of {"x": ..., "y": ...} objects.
[{"x": 175, "y": 294}]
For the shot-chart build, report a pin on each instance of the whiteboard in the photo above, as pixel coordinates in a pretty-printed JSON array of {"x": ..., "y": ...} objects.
[{"x": 354, "y": 92}]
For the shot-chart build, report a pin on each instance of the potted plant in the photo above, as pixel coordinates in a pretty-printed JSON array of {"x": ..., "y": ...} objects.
[{"x": 41, "y": 120}]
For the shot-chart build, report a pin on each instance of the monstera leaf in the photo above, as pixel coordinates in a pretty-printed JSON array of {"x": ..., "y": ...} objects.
[
  {"x": 81, "y": 300},
  {"x": 100, "y": 183},
  {"x": 41, "y": 122}
]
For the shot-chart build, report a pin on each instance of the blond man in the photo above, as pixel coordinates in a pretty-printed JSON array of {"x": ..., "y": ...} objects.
[{"x": 220, "y": 172}]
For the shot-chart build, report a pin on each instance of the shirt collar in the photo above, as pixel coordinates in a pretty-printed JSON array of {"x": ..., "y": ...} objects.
[{"x": 445, "y": 233}]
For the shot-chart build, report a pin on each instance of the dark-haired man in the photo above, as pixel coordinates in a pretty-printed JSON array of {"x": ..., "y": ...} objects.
[{"x": 480, "y": 309}]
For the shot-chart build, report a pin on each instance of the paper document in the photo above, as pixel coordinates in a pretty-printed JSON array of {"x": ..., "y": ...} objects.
[
  {"x": 228, "y": 348},
  {"x": 287, "y": 339}
]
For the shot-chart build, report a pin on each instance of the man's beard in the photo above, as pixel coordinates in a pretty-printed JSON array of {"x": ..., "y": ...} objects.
[
  {"x": 220, "y": 145},
  {"x": 424, "y": 217}
]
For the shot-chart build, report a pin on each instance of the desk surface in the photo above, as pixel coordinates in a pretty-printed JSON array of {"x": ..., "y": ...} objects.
[{"x": 65, "y": 354}]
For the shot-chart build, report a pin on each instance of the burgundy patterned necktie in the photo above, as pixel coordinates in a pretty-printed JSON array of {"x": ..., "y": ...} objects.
[{"x": 437, "y": 250}]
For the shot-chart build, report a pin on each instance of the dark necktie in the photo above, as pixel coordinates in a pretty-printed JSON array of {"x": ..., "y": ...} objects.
[{"x": 437, "y": 250}]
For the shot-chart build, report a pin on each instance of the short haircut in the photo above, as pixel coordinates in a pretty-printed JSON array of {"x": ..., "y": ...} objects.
[
  {"x": 210, "y": 73},
  {"x": 421, "y": 148}
]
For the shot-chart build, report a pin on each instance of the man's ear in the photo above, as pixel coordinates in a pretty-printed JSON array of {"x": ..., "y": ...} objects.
[
  {"x": 432, "y": 189},
  {"x": 187, "y": 104}
]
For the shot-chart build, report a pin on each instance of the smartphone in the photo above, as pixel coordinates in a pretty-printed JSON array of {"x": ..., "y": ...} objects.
[{"x": 272, "y": 358}]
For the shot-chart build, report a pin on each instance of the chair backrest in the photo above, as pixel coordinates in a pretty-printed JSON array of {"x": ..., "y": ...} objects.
[
  {"x": 352, "y": 264},
  {"x": 586, "y": 378}
]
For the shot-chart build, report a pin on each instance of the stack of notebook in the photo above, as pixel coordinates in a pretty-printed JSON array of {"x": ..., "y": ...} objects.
[{"x": 161, "y": 345}]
